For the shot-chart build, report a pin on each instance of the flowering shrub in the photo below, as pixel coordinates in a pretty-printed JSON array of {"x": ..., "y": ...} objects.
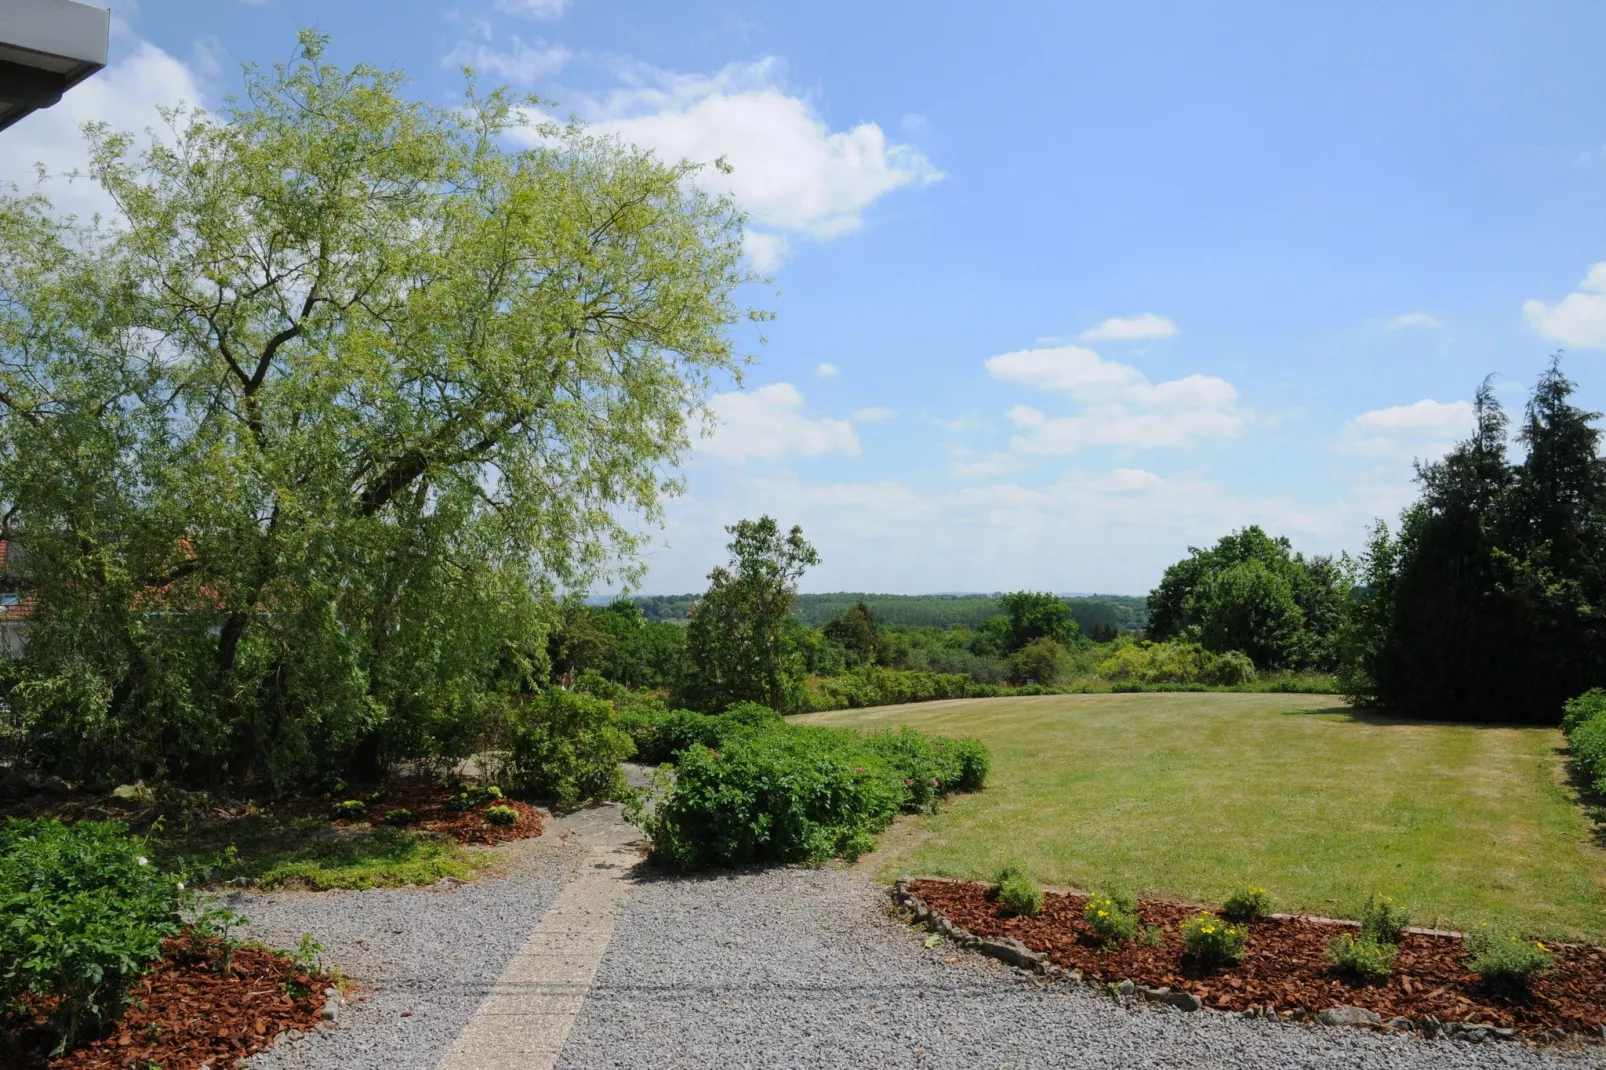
[
  {"x": 1213, "y": 941},
  {"x": 1505, "y": 960},
  {"x": 84, "y": 913},
  {"x": 1113, "y": 916},
  {"x": 1248, "y": 903},
  {"x": 1383, "y": 920},
  {"x": 351, "y": 808},
  {"x": 501, "y": 815},
  {"x": 1018, "y": 893},
  {"x": 1362, "y": 956}
]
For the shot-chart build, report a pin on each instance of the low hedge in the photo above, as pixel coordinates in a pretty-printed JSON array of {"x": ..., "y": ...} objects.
[
  {"x": 802, "y": 793},
  {"x": 83, "y": 912},
  {"x": 1585, "y": 727},
  {"x": 660, "y": 734},
  {"x": 872, "y": 686}
]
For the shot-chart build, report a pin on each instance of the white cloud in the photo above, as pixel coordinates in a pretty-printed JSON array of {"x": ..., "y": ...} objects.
[
  {"x": 1123, "y": 408},
  {"x": 873, "y": 415},
  {"x": 521, "y": 62},
  {"x": 769, "y": 422},
  {"x": 1412, "y": 319},
  {"x": 535, "y": 9},
  {"x": 125, "y": 95},
  {"x": 765, "y": 251},
  {"x": 1422, "y": 417},
  {"x": 1579, "y": 319},
  {"x": 1131, "y": 328},
  {"x": 826, "y": 371},
  {"x": 790, "y": 170}
]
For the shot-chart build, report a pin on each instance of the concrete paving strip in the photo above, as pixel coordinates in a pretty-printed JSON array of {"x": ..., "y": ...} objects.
[{"x": 524, "y": 1021}]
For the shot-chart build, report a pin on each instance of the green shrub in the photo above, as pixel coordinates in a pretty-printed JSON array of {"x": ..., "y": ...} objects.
[
  {"x": 349, "y": 809},
  {"x": 568, "y": 746},
  {"x": 84, "y": 913},
  {"x": 660, "y": 734},
  {"x": 1585, "y": 726},
  {"x": 399, "y": 817},
  {"x": 799, "y": 794},
  {"x": 1248, "y": 903},
  {"x": 1112, "y": 916},
  {"x": 1362, "y": 956},
  {"x": 1384, "y": 920},
  {"x": 1506, "y": 960},
  {"x": 501, "y": 815},
  {"x": 1213, "y": 941},
  {"x": 1018, "y": 893},
  {"x": 1141, "y": 662},
  {"x": 874, "y": 686}
]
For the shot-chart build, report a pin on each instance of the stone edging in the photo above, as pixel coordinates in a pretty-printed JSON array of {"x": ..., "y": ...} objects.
[{"x": 1012, "y": 952}]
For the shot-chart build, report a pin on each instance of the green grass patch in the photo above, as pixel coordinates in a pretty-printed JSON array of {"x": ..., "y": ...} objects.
[
  {"x": 312, "y": 854},
  {"x": 1192, "y": 795}
]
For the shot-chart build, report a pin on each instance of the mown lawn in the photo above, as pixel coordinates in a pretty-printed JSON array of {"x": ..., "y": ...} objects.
[{"x": 1186, "y": 795}]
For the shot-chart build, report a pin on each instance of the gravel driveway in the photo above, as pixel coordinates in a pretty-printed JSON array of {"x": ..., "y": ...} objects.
[{"x": 784, "y": 968}]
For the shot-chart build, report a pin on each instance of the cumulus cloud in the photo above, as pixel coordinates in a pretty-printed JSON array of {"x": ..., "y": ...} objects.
[
  {"x": 1130, "y": 328},
  {"x": 788, "y": 168},
  {"x": 826, "y": 370},
  {"x": 1122, "y": 407},
  {"x": 873, "y": 415},
  {"x": 1412, "y": 319},
  {"x": 535, "y": 9},
  {"x": 1422, "y": 428},
  {"x": 125, "y": 95},
  {"x": 769, "y": 422},
  {"x": 521, "y": 62},
  {"x": 1579, "y": 319}
]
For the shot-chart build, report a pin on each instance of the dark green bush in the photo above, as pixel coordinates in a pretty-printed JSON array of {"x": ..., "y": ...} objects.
[
  {"x": 349, "y": 809},
  {"x": 399, "y": 817},
  {"x": 83, "y": 912},
  {"x": 1585, "y": 726},
  {"x": 660, "y": 734},
  {"x": 1018, "y": 893},
  {"x": 800, "y": 794},
  {"x": 568, "y": 746},
  {"x": 872, "y": 686}
]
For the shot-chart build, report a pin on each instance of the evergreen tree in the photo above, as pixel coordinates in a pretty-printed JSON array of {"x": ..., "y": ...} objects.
[{"x": 855, "y": 631}]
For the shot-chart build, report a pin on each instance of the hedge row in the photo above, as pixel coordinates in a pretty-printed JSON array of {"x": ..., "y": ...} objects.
[
  {"x": 1585, "y": 728},
  {"x": 750, "y": 788}
]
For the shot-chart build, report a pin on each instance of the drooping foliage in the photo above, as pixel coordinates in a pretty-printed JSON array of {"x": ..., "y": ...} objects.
[
  {"x": 1487, "y": 603},
  {"x": 1252, "y": 593},
  {"x": 301, "y": 440}
]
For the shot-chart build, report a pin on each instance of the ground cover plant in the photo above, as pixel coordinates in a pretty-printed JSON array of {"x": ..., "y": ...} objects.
[
  {"x": 1321, "y": 804},
  {"x": 1282, "y": 963},
  {"x": 787, "y": 793}
]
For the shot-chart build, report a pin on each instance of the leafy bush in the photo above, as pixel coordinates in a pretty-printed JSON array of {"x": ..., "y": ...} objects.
[
  {"x": 1113, "y": 916},
  {"x": 1212, "y": 941},
  {"x": 84, "y": 913},
  {"x": 350, "y": 808},
  {"x": 1585, "y": 726},
  {"x": 568, "y": 747},
  {"x": 1506, "y": 960},
  {"x": 399, "y": 817},
  {"x": 1362, "y": 956},
  {"x": 1174, "y": 663},
  {"x": 501, "y": 815},
  {"x": 1248, "y": 903},
  {"x": 660, "y": 734},
  {"x": 1384, "y": 920},
  {"x": 800, "y": 794},
  {"x": 1018, "y": 893},
  {"x": 871, "y": 686}
]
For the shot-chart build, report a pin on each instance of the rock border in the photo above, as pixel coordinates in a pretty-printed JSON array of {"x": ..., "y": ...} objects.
[{"x": 1012, "y": 952}]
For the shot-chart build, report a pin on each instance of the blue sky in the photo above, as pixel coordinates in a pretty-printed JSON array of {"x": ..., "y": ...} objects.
[{"x": 1061, "y": 288}]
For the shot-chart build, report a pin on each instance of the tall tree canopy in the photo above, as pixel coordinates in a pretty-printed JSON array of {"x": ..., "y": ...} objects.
[
  {"x": 1251, "y": 592},
  {"x": 740, "y": 643},
  {"x": 300, "y": 437},
  {"x": 1488, "y": 603}
]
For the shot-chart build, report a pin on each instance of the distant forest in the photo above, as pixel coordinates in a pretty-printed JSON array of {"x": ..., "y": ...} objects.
[{"x": 1126, "y": 612}]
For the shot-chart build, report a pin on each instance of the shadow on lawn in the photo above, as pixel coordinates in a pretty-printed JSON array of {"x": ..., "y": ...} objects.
[{"x": 1378, "y": 718}]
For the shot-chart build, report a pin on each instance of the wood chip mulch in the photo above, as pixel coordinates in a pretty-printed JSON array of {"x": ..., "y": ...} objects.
[
  {"x": 1284, "y": 965},
  {"x": 427, "y": 802},
  {"x": 185, "y": 1013}
]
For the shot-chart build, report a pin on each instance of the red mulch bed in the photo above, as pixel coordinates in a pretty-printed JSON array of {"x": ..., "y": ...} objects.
[
  {"x": 185, "y": 1014},
  {"x": 426, "y": 800},
  {"x": 1285, "y": 967}
]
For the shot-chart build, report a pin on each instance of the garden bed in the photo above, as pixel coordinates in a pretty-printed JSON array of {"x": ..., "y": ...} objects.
[
  {"x": 1285, "y": 967},
  {"x": 431, "y": 809},
  {"x": 185, "y": 1013}
]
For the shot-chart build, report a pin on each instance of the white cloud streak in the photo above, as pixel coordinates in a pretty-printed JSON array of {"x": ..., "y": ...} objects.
[
  {"x": 521, "y": 63},
  {"x": 1412, "y": 319},
  {"x": 769, "y": 422},
  {"x": 1131, "y": 328},
  {"x": 1579, "y": 319}
]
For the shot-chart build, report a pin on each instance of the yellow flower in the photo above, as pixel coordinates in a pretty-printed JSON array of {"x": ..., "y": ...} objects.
[
  {"x": 1102, "y": 914},
  {"x": 1208, "y": 929}
]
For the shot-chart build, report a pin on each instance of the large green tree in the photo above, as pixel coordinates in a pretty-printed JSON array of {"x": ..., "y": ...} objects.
[
  {"x": 740, "y": 643},
  {"x": 303, "y": 436}
]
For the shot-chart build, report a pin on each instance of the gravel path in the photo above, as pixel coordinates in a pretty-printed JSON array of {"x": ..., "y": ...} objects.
[{"x": 778, "y": 969}]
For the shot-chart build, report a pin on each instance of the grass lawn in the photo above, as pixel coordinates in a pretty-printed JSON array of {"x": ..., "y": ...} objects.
[{"x": 1186, "y": 795}]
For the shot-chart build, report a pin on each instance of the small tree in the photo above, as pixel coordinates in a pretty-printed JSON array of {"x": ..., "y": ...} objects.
[
  {"x": 1038, "y": 662},
  {"x": 1037, "y": 615},
  {"x": 738, "y": 642},
  {"x": 855, "y": 631}
]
